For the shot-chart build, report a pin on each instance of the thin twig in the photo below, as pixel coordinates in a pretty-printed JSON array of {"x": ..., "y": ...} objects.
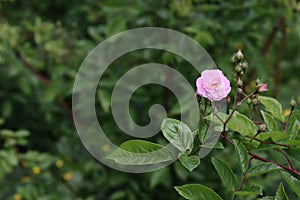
[
  {"x": 264, "y": 142},
  {"x": 258, "y": 115},
  {"x": 287, "y": 168},
  {"x": 277, "y": 71},
  {"x": 244, "y": 178},
  {"x": 43, "y": 79},
  {"x": 294, "y": 171},
  {"x": 287, "y": 158},
  {"x": 271, "y": 37}
]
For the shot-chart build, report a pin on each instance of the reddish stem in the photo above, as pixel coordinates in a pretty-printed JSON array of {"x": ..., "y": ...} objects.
[
  {"x": 244, "y": 178},
  {"x": 264, "y": 142},
  {"x": 43, "y": 79},
  {"x": 294, "y": 171},
  {"x": 287, "y": 158},
  {"x": 271, "y": 37},
  {"x": 287, "y": 168},
  {"x": 277, "y": 71},
  {"x": 258, "y": 115}
]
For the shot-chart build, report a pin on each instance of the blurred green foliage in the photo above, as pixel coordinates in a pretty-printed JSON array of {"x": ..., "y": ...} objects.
[{"x": 43, "y": 43}]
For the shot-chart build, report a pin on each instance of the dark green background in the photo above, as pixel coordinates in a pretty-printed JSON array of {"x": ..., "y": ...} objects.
[{"x": 43, "y": 43}]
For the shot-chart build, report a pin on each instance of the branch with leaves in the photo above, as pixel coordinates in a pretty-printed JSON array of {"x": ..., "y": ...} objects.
[{"x": 263, "y": 128}]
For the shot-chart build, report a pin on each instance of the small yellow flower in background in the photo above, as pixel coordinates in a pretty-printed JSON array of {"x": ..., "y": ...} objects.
[
  {"x": 286, "y": 112},
  {"x": 299, "y": 127},
  {"x": 25, "y": 179},
  {"x": 68, "y": 176},
  {"x": 17, "y": 197},
  {"x": 36, "y": 170},
  {"x": 105, "y": 147},
  {"x": 299, "y": 99},
  {"x": 59, "y": 163}
]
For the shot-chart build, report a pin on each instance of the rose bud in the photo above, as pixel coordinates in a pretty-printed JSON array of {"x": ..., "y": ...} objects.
[
  {"x": 239, "y": 55},
  {"x": 262, "y": 87},
  {"x": 262, "y": 127},
  {"x": 245, "y": 65},
  {"x": 293, "y": 102}
]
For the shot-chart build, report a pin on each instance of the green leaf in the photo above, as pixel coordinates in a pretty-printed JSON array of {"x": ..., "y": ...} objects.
[
  {"x": 267, "y": 198},
  {"x": 95, "y": 33},
  {"x": 280, "y": 194},
  {"x": 263, "y": 136},
  {"x": 177, "y": 109},
  {"x": 238, "y": 122},
  {"x": 140, "y": 152},
  {"x": 242, "y": 155},
  {"x": 278, "y": 135},
  {"x": 218, "y": 145},
  {"x": 181, "y": 172},
  {"x": 295, "y": 115},
  {"x": 204, "y": 38},
  {"x": 292, "y": 143},
  {"x": 293, "y": 128},
  {"x": 116, "y": 25},
  {"x": 262, "y": 169},
  {"x": 104, "y": 99},
  {"x": 160, "y": 177},
  {"x": 178, "y": 134},
  {"x": 117, "y": 195},
  {"x": 274, "y": 135},
  {"x": 292, "y": 182},
  {"x": 197, "y": 192},
  {"x": 12, "y": 158},
  {"x": 250, "y": 190},
  {"x": 273, "y": 106},
  {"x": 269, "y": 121},
  {"x": 242, "y": 125},
  {"x": 189, "y": 162},
  {"x": 1, "y": 121},
  {"x": 225, "y": 173}
]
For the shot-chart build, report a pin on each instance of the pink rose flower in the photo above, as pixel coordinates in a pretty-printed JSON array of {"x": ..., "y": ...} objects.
[
  {"x": 262, "y": 87},
  {"x": 213, "y": 85}
]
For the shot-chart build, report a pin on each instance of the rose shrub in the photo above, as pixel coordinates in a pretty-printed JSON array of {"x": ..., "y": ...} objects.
[{"x": 255, "y": 133}]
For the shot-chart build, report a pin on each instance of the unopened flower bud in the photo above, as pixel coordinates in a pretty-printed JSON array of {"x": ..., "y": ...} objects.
[
  {"x": 262, "y": 87},
  {"x": 254, "y": 101},
  {"x": 293, "y": 102},
  {"x": 241, "y": 73},
  {"x": 240, "y": 82},
  {"x": 239, "y": 90},
  {"x": 258, "y": 81},
  {"x": 245, "y": 65},
  {"x": 239, "y": 55},
  {"x": 248, "y": 101},
  {"x": 262, "y": 127},
  {"x": 238, "y": 68},
  {"x": 235, "y": 77},
  {"x": 233, "y": 59}
]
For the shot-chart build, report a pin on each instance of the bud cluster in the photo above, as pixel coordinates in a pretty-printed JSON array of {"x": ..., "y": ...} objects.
[{"x": 239, "y": 68}]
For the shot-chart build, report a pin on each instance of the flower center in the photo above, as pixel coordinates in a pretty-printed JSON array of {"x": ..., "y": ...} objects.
[{"x": 215, "y": 84}]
